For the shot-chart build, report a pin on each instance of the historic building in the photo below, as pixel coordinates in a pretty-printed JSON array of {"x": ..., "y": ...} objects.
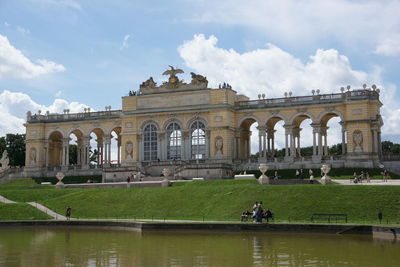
[{"x": 201, "y": 132}]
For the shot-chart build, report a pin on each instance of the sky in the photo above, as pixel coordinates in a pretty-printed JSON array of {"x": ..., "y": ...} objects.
[{"x": 58, "y": 54}]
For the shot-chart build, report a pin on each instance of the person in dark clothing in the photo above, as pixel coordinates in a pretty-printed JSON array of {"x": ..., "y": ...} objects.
[
  {"x": 268, "y": 215},
  {"x": 68, "y": 213}
]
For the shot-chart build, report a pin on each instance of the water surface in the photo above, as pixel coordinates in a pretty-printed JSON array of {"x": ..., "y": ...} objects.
[{"x": 105, "y": 247}]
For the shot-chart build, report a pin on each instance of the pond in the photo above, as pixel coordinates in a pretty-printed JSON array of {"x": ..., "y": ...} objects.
[{"x": 104, "y": 247}]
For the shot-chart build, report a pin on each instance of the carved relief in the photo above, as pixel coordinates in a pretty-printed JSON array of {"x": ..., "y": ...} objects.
[{"x": 358, "y": 139}]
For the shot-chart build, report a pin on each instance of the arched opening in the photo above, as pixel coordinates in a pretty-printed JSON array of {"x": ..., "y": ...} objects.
[
  {"x": 275, "y": 139},
  {"x": 250, "y": 141},
  {"x": 150, "y": 142},
  {"x": 198, "y": 140},
  {"x": 174, "y": 141},
  {"x": 56, "y": 151},
  {"x": 301, "y": 147},
  {"x": 333, "y": 135},
  {"x": 75, "y": 145},
  {"x": 115, "y": 157},
  {"x": 97, "y": 147}
]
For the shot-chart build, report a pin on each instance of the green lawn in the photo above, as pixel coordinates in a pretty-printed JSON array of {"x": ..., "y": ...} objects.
[
  {"x": 20, "y": 211},
  {"x": 218, "y": 200}
]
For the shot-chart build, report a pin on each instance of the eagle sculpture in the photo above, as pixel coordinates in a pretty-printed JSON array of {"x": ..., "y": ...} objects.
[{"x": 172, "y": 71}]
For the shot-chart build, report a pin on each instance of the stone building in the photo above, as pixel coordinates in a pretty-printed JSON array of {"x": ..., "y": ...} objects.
[{"x": 196, "y": 131}]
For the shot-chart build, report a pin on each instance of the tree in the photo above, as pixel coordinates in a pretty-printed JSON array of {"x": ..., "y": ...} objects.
[
  {"x": 15, "y": 146},
  {"x": 73, "y": 154}
]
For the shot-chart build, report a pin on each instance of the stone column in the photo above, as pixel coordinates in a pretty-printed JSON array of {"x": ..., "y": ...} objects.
[
  {"x": 319, "y": 142},
  {"x": 379, "y": 143},
  {"x": 139, "y": 147},
  {"x": 286, "y": 143},
  {"x": 86, "y": 150},
  {"x": 375, "y": 141},
  {"x": 99, "y": 151},
  {"x": 47, "y": 153},
  {"x": 261, "y": 142},
  {"x": 314, "y": 150},
  {"x": 65, "y": 150},
  {"x": 292, "y": 144},
  {"x": 107, "y": 148},
  {"x": 324, "y": 131},
  {"x": 161, "y": 148},
  {"x": 119, "y": 149},
  {"x": 343, "y": 141}
]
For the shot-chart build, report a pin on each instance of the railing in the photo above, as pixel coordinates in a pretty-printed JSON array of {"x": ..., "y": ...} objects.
[
  {"x": 391, "y": 157},
  {"x": 307, "y": 100},
  {"x": 74, "y": 116}
]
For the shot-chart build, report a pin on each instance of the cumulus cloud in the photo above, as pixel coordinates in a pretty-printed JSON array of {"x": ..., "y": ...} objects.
[
  {"x": 269, "y": 70},
  {"x": 14, "y": 106},
  {"x": 14, "y": 64},
  {"x": 389, "y": 46},
  {"x": 273, "y": 71},
  {"x": 302, "y": 22}
]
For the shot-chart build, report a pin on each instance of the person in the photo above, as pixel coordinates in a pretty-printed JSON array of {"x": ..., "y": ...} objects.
[
  {"x": 268, "y": 215},
  {"x": 297, "y": 174},
  {"x": 276, "y": 175},
  {"x": 355, "y": 179},
  {"x": 368, "y": 177},
  {"x": 385, "y": 175},
  {"x": 135, "y": 177},
  {"x": 380, "y": 216},
  {"x": 311, "y": 179},
  {"x": 259, "y": 213},
  {"x": 255, "y": 206},
  {"x": 127, "y": 179},
  {"x": 301, "y": 174},
  {"x": 68, "y": 213},
  {"x": 245, "y": 216}
]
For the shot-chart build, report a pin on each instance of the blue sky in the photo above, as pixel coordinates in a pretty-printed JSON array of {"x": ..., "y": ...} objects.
[{"x": 93, "y": 52}]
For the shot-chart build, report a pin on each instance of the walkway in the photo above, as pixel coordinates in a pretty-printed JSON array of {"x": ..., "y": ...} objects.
[
  {"x": 373, "y": 182},
  {"x": 40, "y": 207}
]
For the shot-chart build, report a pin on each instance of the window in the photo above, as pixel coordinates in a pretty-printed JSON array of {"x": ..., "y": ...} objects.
[
  {"x": 198, "y": 140},
  {"x": 150, "y": 142},
  {"x": 174, "y": 141}
]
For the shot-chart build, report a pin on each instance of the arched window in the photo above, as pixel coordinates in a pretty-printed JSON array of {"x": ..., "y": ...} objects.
[
  {"x": 174, "y": 142},
  {"x": 198, "y": 140},
  {"x": 150, "y": 142}
]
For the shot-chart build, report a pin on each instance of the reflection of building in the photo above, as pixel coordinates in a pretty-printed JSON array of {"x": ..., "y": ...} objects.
[{"x": 199, "y": 131}]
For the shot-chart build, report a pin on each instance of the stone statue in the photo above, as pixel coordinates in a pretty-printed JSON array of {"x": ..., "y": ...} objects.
[
  {"x": 129, "y": 150},
  {"x": 358, "y": 138},
  {"x": 198, "y": 79},
  {"x": 219, "y": 144},
  {"x": 32, "y": 156},
  {"x": 149, "y": 83},
  {"x": 173, "y": 80},
  {"x": 4, "y": 161}
]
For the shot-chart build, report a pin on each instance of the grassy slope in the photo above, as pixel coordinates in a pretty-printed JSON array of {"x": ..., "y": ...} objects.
[
  {"x": 20, "y": 211},
  {"x": 221, "y": 200}
]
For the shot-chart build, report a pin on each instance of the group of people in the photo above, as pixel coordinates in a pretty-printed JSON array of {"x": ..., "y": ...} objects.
[
  {"x": 365, "y": 176},
  {"x": 134, "y": 177},
  {"x": 132, "y": 93},
  {"x": 257, "y": 214}
]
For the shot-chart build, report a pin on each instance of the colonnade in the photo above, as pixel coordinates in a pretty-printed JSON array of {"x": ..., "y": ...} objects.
[{"x": 266, "y": 141}]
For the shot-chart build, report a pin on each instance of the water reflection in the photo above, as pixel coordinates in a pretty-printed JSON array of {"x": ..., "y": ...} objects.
[{"x": 105, "y": 247}]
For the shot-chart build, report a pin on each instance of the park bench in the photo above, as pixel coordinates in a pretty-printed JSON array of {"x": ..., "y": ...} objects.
[{"x": 329, "y": 216}]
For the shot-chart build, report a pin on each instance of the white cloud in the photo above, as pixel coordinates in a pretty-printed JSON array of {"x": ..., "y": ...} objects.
[
  {"x": 270, "y": 70},
  {"x": 125, "y": 42},
  {"x": 72, "y": 4},
  {"x": 301, "y": 22},
  {"x": 274, "y": 71},
  {"x": 22, "y": 30},
  {"x": 389, "y": 46},
  {"x": 14, "y": 64},
  {"x": 14, "y": 106}
]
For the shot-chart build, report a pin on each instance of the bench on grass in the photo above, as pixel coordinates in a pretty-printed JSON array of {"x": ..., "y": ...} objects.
[{"x": 329, "y": 216}]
